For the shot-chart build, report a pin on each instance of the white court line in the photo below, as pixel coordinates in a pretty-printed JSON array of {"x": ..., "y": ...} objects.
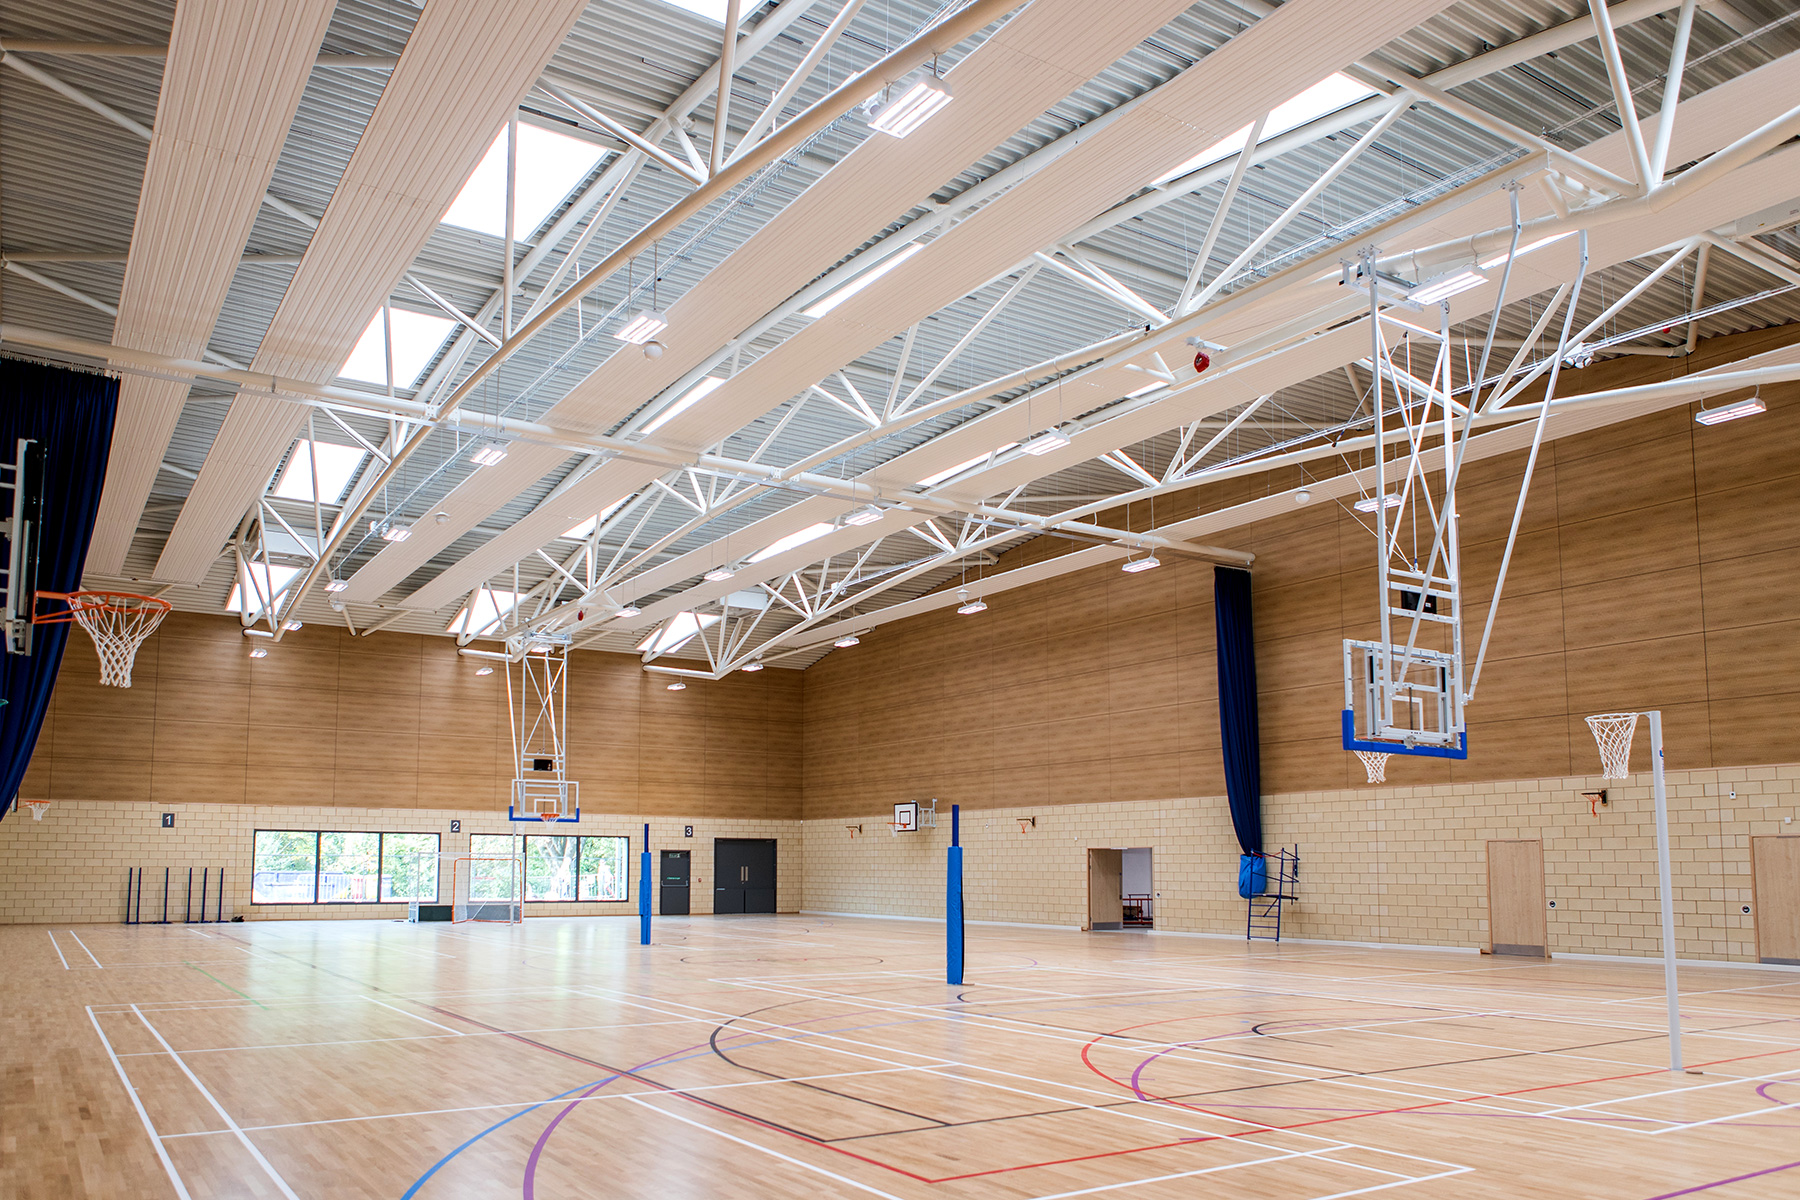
[
  {"x": 806, "y": 1166},
  {"x": 242, "y": 1137},
  {"x": 59, "y": 953},
  {"x": 155, "y": 1139},
  {"x": 414, "y": 1016},
  {"x": 83, "y": 945},
  {"x": 1755, "y": 1112}
]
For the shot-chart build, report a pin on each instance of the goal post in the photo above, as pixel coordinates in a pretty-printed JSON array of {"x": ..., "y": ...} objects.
[{"x": 484, "y": 887}]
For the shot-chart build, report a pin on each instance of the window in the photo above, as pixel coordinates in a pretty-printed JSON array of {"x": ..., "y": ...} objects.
[
  {"x": 550, "y": 868},
  {"x": 257, "y": 585},
  {"x": 558, "y": 869},
  {"x": 285, "y": 867},
  {"x": 605, "y": 868},
  {"x": 486, "y": 608},
  {"x": 335, "y": 867},
  {"x": 416, "y": 338},
  {"x": 677, "y": 631},
  {"x": 338, "y": 465},
  {"x": 349, "y": 867},
  {"x": 550, "y": 164},
  {"x": 409, "y": 866}
]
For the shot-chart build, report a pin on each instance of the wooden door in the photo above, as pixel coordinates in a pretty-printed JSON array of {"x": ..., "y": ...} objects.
[
  {"x": 1775, "y": 881},
  {"x": 1105, "y": 910},
  {"x": 1516, "y": 898}
]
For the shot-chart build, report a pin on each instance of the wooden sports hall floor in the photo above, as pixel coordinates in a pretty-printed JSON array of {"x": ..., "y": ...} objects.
[{"x": 805, "y": 1056}]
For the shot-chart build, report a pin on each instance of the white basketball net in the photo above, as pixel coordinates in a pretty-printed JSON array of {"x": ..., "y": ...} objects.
[
  {"x": 1375, "y": 763},
  {"x": 118, "y": 623},
  {"x": 38, "y": 808},
  {"x": 1612, "y": 731}
]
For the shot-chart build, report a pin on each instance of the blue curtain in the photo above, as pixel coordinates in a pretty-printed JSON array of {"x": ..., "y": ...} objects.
[
  {"x": 1238, "y": 734},
  {"x": 70, "y": 413}
]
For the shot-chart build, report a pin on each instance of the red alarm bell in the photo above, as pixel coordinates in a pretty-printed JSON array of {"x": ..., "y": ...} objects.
[{"x": 1202, "y": 360}]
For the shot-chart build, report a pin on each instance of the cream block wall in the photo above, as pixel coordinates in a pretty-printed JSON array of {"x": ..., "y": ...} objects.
[
  {"x": 70, "y": 867},
  {"x": 1393, "y": 865}
]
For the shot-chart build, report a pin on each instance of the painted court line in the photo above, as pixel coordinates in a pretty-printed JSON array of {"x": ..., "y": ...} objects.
[
  {"x": 414, "y": 1016},
  {"x": 59, "y": 953},
  {"x": 83, "y": 945},
  {"x": 156, "y": 1143},
  {"x": 242, "y": 1137}
]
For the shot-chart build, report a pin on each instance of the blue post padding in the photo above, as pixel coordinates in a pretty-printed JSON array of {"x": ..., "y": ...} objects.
[
  {"x": 1352, "y": 742},
  {"x": 1253, "y": 875},
  {"x": 644, "y": 891},
  {"x": 953, "y": 918},
  {"x": 956, "y": 824}
]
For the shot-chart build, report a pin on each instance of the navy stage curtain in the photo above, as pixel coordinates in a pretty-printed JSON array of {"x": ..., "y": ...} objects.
[
  {"x": 1238, "y": 734},
  {"x": 71, "y": 414}
]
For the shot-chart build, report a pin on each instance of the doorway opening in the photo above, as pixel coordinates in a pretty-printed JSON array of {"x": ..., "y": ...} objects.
[{"x": 1121, "y": 888}]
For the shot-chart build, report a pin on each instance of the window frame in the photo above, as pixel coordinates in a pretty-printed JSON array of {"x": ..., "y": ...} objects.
[
  {"x": 381, "y": 836},
  {"x": 523, "y": 852}
]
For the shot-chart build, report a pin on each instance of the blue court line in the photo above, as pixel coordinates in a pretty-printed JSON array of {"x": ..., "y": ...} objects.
[{"x": 423, "y": 1179}]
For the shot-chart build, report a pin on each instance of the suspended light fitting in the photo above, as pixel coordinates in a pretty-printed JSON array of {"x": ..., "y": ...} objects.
[
  {"x": 390, "y": 532},
  {"x": 1134, "y": 565},
  {"x": 643, "y": 326},
  {"x": 912, "y": 107},
  {"x": 259, "y": 652},
  {"x": 484, "y": 670},
  {"x": 868, "y": 514},
  {"x": 487, "y": 454},
  {"x": 719, "y": 574},
  {"x": 968, "y": 607},
  {"x": 1045, "y": 442},
  {"x": 338, "y": 585},
  {"x": 751, "y": 666},
  {"x": 678, "y": 686},
  {"x": 1445, "y": 286},
  {"x": 1748, "y": 407},
  {"x": 845, "y": 642}
]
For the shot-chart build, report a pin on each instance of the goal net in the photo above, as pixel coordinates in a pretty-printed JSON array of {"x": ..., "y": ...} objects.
[{"x": 484, "y": 887}]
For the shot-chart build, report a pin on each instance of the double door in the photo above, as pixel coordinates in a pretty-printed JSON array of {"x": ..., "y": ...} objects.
[{"x": 743, "y": 875}]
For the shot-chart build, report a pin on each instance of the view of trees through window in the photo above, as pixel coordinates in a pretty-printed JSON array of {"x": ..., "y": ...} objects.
[
  {"x": 555, "y": 868},
  {"x": 333, "y": 867}
]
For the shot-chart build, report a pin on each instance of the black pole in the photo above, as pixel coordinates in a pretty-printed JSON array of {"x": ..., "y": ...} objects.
[
  {"x": 128, "y": 874},
  {"x": 187, "y": 900},
  {"x": 140, "y": 897},
  {"x": 221, "y": 910},
  {"x": 165, "y": 916}
]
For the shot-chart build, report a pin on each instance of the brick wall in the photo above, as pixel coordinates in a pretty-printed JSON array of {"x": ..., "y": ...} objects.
[{"x": 1403, "y": 865}]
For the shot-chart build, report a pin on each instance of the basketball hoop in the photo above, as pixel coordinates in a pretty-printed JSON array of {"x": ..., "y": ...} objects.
[
  {"x": 1375, "y": 763},
  {"x": 1612, "y": 733},
  {"x": 548, "y": 817},
  {"x": 117, "y": 621},
  {"x": 38, "y": 808}
]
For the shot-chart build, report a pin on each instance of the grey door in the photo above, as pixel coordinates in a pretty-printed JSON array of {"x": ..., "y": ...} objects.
[
  {"x": 675, "y": 883},
  {"x": 744, "y": 875}
]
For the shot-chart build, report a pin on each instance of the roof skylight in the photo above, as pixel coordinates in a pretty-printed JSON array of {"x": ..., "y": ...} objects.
[
  {"x": 792, "y": 540},
  {"x": 821, "y": 307},
  {"x": 256, "y": 584},
  {"x": 417, "y": 337},
  {"x": 959, "y": 468},
  {"x": 1327, "y": 96},
  {"x": 337, "y": 467},
  {"x": 550, "y": 165},
  {"x": 689, "y": 398},
  {"x": 484, "y": 610},
  {"x": 677, "y": 631},
  {"x": 586, "y": 529}
]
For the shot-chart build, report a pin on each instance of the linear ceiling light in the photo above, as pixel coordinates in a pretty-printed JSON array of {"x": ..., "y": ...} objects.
[
  {"x": 950, "y": 472},
  {"x": 868, "y": 514},
  {"x": 1731, "y": 412},
  {"x": 848, "y": 640},
  {"x": 1045, "y": 442},
  {"x": 1148, "y": 562},
  {"x": 678, "y": 686},
  {"x": 488, "y": 453},
  {"x": 1368, "y": 503},
  {"x": 862, "y": 281},
  {"x": 643, "y": 326},
  {"x": 630, "y": 610},
  {"x": 1446, "y": 286},
  {"x": 688, "y": 399},
  {"x": 390, "y": 532},
  {"x": 751, "y": 666},
  {"x": 904, "y": 113},
  {"x": 718, "y": 574},
  {"x": 968, "y": 607},
  {"x": 258, "y": 652},
  {"x": 338, "y": 585}
]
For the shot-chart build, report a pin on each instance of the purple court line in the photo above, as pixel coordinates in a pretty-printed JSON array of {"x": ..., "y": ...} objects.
[
  {"x": 1763, "y": 1091},
  {"x": 1705, "y": 1187}
]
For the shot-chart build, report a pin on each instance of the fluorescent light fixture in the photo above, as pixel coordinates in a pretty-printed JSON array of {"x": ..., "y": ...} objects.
[
  {"x": 292, "y": 626},
  {"x": 972, "y": 607},
  {"x": 259, "y": 652},
  {"x": 821, "y": 307},
  {"x": 676, "y": 631},
  {"x": 630, "y": 610},
  {"x": 688, "y": 399},
  {"x": 868, "y": 514},
  {"x": 845, "y": 642},
  {"x": 751, "y": 666},
  {"x": 549, "y": 165},
  {"x": 1146, "y": 563},
  {"x": 1045, "y": 442},
  {"x": 904, "y": 113},
  {"x": 417, "y": 338},
  {"x": 487, "y": 454},
  {"x": 1369, "y": 503},
  {"x": 1327, "y": 96},
  {"x": 484, "y": 670},
  {"x": 678, "y": 686},
  {"x": 390, "y": 532},
  {"x": 718, "y": 575},
  {"x": 484, "y": 610},
  {"x": 959, "y": 468},
  {"x": 1730, "y": 412},
  {"x": 1499, "y": 259},
  {"x": 257, "y": 582},
  {"x": 338, "y": 585},
  {"x": 1445, "y": 286},
  {"x": 337, "y": 467},
  {"x": 643, "y": 326},
  {"x": 791, "y": 541}
]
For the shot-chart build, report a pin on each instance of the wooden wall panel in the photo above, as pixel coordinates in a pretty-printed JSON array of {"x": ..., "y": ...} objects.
[
  {"x": 402, "y": 721},
  {"x": 1655, "y": 568}
]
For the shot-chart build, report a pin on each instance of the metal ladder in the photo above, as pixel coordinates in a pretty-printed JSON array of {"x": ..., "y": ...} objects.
[{"x": 1262, "y": 916}]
